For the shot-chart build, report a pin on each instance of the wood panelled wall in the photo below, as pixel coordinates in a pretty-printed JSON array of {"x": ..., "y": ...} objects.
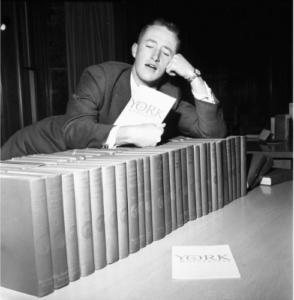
[{"x": 243, "y": 49}]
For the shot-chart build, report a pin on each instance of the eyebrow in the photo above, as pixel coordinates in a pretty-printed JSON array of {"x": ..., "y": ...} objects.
[{"x": 153, "y": 41}]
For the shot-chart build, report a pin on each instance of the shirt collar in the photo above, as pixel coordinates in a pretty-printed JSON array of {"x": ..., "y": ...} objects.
[{"x": 133, "y": 85}]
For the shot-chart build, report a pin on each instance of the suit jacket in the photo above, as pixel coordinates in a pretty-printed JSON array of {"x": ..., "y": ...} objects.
[{"x": 102, "y": 93}]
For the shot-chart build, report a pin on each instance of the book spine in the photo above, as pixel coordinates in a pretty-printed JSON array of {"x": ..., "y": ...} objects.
[
  {"x": 84, "y": 223},
  {"x": 172, "y": 178},
  {"x": 40, "y": 222},
  {"x": 214, "y": 183},
  {"x": 147, "y": 198},
  {"x": 179, "y": 194},
  {"x": 97, "y": 215},
  {"x": 133, "y": 218},
  {"x": 233, "y": 162},
  {"x": 110, "y": 213},
  {"x": 225, "y": 172},
  {"x": 141, "y": 202},
  {"x": 191, "y": 183},
  {"x": 209, "y": 183},
  {"x": 166, "y": 191},
  {"x": 122, "y": 209},
  {"x": 197, "y": 168},
  {"x": 204, "y": 175},
  {"x": 229, "y": 161},
  {"x": 243, "y": 166},
  {"x": 220, "y": 177},
  {"x": 70, "y": 225},
  {"x": 238, "y": 165},
  {"x": 157, "y": 197},
  {"x": 183, "y": 152},
  {"x": 57, "y": 231}
]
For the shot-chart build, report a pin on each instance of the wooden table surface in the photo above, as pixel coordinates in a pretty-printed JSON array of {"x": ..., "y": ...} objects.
[{"x": 259, "y": 230}]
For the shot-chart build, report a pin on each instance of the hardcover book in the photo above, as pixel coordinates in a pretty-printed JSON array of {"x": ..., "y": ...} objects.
[{"x": 26, "y": 264}]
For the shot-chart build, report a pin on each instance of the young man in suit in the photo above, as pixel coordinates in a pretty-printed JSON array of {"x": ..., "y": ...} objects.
[{"x": 105, "y": 89}]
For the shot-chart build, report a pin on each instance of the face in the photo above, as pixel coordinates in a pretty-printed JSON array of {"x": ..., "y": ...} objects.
[{"x": 152, "y": 55}]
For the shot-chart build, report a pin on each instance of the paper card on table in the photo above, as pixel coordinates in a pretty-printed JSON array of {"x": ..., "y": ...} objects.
[
  {"x": 146, "y": 106},
  {"x": 203, "y": 262}
]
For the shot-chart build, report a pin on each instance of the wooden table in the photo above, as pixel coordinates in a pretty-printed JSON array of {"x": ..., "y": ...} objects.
[{"x": 258, "y": 229}]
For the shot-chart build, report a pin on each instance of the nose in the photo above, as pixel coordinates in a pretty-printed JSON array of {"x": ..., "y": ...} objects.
[{"x": 156, "y": 56}]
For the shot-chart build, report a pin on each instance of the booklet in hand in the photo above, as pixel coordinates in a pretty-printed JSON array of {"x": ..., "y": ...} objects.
[{"x": 146, "y": 106}]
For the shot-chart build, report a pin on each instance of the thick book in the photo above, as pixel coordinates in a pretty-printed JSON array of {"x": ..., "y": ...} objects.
[
  {"x": 188, "y": 179},
  {"x": 97, "y": 210},
  {"x": 243, "y": 165},
  {"x": 205, "y": 172},
  {"x": 110, "y": 213},
  {"x": 132, "y": 194},
  {"x": 69, "y": 211},
  {"x": 276, "y": 176},
  {"x": 56, "y": 228},
  {"x": 169, "y": 185},
  {"x": 26, "y": 264},
  {"x": 146, "y": 106},
  {"x": 53, "y": 182}
]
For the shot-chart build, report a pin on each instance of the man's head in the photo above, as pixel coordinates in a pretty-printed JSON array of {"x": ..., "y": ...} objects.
[{"x": 158, "y": 42}]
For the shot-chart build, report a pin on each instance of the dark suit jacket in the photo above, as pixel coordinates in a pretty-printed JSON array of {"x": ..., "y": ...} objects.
[
  {"x": 103, "y": 92},
  {"x": 101, "y": 95}
]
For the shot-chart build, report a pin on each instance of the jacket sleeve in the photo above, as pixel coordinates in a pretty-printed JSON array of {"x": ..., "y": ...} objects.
[
  {"x": 83, "y": 128},
  {"x": 202, "y": 120}
]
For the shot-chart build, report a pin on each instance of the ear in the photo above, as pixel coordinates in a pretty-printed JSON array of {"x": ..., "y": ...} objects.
[{"x": 134, "y": 49}]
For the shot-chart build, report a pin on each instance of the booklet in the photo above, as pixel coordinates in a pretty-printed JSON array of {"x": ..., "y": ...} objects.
[
  {"x": 203, "y": 262},
  {"x": 146, "y": 106}
]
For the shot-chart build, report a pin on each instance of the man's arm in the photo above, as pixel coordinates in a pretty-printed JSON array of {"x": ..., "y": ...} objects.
[{"x": 206, "y": 118}]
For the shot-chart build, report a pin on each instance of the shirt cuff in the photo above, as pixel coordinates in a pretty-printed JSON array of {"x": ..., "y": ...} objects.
[
  {"x": 209, "y": 97},
  {"x": 111, "y": 140}
]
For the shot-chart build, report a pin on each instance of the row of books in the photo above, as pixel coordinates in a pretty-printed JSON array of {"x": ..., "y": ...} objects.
[{"x": 67, "y": 214}]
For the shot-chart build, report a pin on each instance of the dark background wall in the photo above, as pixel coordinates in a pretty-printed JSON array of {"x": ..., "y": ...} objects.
[{"x": 243, "y": 49}]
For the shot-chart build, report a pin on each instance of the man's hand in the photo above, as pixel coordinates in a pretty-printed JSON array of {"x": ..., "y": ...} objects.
[
  {"x": 180, "y": 66},
  {"x": 140, "y": 135}
]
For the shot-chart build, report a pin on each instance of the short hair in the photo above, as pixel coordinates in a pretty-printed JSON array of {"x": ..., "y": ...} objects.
[{"x": 168, "y": 25}]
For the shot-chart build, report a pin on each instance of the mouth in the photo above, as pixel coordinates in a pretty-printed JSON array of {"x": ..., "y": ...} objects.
[{"x": 151, "y": 66}]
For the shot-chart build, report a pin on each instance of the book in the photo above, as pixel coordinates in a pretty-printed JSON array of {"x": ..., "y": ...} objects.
[
  {"x": 203, "y": 262},
  {"x": 197, "y": 169},
  {"x": 69, "y": 212},
  {"x": 110, "y": 214},
  {"x": 276, "y": 176},
  {"x": 147, "y": 105},
  {"x": 220, "y": 174},
  {"x": 132, "y": 194},
  {"x": 188, "y": 179},
  {"x": 232, "y": 141},
  {"x": 205, "y": 171},
  {"x": 172, "y": 188},
  {"x": 97, "y": 209},
  {"x": 214, "y": 177},
  {"x": 265, "y": 168},
  {"x": 141, "y": 163},
  {"x": 243, "y": 166},
  {"x": 26, "y": 264},
  {"x": 255, "y": 165}
]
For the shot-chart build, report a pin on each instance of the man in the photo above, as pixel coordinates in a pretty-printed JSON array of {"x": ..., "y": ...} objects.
[{"x": 105, "y": 89}]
